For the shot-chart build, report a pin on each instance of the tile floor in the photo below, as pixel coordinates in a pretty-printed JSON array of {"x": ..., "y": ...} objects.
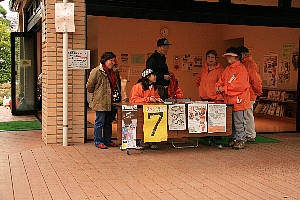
[{"x": 31, "y": 170}]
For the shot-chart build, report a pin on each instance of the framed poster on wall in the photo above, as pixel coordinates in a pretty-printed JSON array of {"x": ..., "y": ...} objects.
[{"x": 270, "y": 70}]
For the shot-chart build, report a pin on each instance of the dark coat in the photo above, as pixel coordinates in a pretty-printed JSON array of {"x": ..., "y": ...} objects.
[{"x": 158, "y": 64}]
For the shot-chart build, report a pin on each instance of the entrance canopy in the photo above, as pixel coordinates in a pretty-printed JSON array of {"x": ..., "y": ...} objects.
[{"x": 222, "y": 12}]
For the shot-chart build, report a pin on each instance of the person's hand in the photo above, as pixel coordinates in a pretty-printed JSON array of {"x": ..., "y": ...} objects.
[
  {"x": 167, "y": 77},
  {"x": 159, "y": 100},
  {"x": 152, "y": 99}
]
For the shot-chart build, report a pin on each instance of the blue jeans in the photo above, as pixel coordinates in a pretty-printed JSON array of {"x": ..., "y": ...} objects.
[{"x": 103, "y": 121}]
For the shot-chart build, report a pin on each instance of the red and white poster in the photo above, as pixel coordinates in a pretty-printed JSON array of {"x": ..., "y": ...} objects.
[
  {"x": 270, "y": 70},
  {"x": 197, "y": 122}
]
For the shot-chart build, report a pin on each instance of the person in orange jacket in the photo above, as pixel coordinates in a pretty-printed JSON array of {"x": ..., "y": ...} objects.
[
  {"x": 234, "y": 86},
  {"x": 208, "y": 76},
  {"x": 145, "y": 91},
  {"x": 174, "y": 91},
  {"x": 255, "y": 90}
]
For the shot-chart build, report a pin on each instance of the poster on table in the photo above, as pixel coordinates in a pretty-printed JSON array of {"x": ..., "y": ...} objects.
[
  {"x": 270, "y": 71},
  {"x": 197, "y": 122},
  {"x": 129, "y": 124},
  {"x": 216, "y": 118},
  {"x": 177, "y": 117},
  {"x": 155, "y": 123}
]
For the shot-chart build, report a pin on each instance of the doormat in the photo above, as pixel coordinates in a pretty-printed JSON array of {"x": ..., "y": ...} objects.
[
  {"x": 207, "y": 141},
  {"x": 20, "y": 125}
]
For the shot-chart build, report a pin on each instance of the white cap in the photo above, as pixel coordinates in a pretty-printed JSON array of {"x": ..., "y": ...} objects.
[
  {"x": 147, "y": 72},
  {"x": 229, "y": 54}
]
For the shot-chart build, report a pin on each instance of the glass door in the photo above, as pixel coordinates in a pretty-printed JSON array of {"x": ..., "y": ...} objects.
[{"x": 23, "y": 73}]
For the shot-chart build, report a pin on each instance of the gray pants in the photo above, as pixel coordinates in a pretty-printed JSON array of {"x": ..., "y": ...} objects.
[
  {"x": 250, "y": 125},
  {"x": 239, "y": 125}
]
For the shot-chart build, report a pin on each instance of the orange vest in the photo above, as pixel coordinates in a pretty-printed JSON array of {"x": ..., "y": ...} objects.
[{"x": 206, "y": 82}]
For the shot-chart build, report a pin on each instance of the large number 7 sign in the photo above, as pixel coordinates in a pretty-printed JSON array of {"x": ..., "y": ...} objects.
[
  {"x": 160, "y": 114},
  {"x": 155, "y": 123}
]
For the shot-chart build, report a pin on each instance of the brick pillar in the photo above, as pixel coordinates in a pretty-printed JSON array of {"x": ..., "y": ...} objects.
[{"x": 52, "y": 61}]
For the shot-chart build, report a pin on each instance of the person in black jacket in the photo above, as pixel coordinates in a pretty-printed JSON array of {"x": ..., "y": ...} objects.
[{"x": 157, "y": 62}]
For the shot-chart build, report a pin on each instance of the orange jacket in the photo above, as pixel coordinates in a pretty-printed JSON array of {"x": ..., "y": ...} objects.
[
  {"x": 206, "y": 82},
  {"x": 254, "y": 78},
  {"x": 178, "y": 93},
  {"x": 138, "y": 95},
  {"x": 235, "y": 83},
  {"x": 173, "y": 88}
]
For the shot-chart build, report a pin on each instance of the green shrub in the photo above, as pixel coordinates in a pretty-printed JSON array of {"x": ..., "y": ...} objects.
[{"x": 1, "y": 102}]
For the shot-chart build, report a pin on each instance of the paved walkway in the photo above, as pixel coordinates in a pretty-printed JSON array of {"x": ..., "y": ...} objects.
[{"x": 31, "y": 170}]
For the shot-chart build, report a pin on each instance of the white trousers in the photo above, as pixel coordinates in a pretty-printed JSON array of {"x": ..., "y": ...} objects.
[{"x": 250, "y": 125}]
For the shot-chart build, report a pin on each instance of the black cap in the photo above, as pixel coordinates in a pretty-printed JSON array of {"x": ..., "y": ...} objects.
[
  {"x": 162, "y": 41},
  {"x": 243, "y": 49}
]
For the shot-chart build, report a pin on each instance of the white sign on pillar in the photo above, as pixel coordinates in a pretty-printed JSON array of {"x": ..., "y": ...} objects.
[
  {"x": 64, "y": 17},
  {"x": 79, "y": 59}
]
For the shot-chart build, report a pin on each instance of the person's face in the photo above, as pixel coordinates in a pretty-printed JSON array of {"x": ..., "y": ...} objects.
[
  {"x": 244, "y": 55},
  {"x": 231, "y": 59},
  {"x": 110, "y": 63},
  {"x": 163, "y": 49},
  {"x": 211, "y": 59},
  {"x": 152, "y": 78}
]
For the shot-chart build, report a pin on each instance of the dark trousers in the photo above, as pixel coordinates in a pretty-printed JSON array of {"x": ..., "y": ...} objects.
[{"x": 162, "y": 91}]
